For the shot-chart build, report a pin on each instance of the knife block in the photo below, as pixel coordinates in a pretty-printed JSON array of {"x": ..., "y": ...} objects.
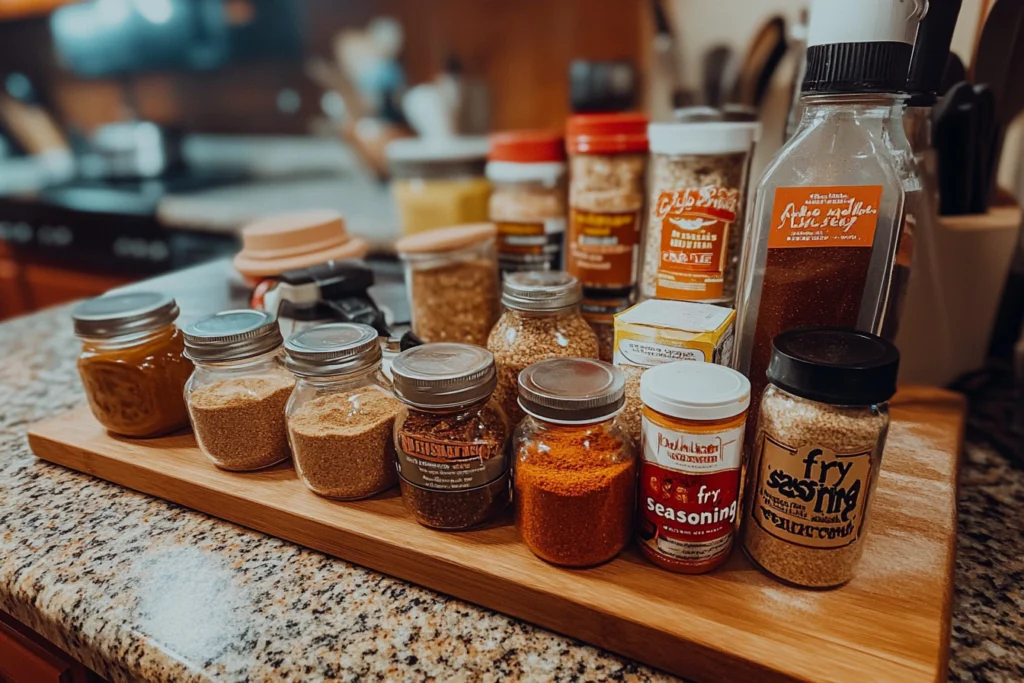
[{"x": 956, "y": 281}]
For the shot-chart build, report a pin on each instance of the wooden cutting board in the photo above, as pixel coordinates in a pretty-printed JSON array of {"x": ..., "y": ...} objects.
[{"x": 891, "y": 623}]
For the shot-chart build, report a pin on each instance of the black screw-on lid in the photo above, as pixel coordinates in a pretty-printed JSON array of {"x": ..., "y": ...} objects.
[{"x": 834, "y": 365}]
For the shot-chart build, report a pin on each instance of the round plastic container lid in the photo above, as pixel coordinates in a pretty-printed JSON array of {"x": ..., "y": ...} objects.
[
  {"x": 692, "y": 390},
  {"x": 527, "y": 146},
  {"x": 440, "y": 150},
  {"x": 273, "y": 245},
  {"x": 606, "y": 133},
  {"x": 446, "y": 239},
  {"x": 703, "y": 137}
]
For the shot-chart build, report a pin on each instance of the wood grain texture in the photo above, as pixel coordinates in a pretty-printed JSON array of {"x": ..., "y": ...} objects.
[{"x": 891, "y": 623}]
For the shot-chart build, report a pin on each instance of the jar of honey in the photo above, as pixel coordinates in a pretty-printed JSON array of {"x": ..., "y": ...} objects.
[{"x": 131, "y": 362}]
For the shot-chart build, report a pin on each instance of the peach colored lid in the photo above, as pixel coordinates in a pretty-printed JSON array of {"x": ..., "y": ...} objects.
[
  {"x": 446, "y": 239},
  {"x": 272, "y": 245}
]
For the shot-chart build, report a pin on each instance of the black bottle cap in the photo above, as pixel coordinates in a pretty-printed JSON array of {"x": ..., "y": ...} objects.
[
  {"x": 857, "y": 68},
  {"x": 834, "y": 365}
]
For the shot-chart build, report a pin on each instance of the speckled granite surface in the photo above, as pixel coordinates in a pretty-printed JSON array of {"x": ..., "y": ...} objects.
[{"x": 137, "y": 588}]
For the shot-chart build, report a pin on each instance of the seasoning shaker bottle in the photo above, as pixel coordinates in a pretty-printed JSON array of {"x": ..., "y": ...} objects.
[
  {"x": 541, "y": 320},
  {"x": 237, "y": 395},
  {"x": 131, "y": 362},
  {"x": 695, "y": 210},
  {"x": 341, "y": 414},
  {"x": 829, "y": 208},
  {"x": 820, "y": 436},
  {"x": 451, "y": 437},
  {"x": 452, "y": 277},
  {"x": 574, "y": 463},
  {"x": 694, "y": 417},
  {"x": 527, "y": 170}
]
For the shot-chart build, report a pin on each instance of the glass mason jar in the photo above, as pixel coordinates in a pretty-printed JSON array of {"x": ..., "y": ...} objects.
[
  {"x": 237, "y": 395},
  {"x": 574, "y": 464},
  {"x": 452, "y": 277},
  {"x": 131, "y": 363},
  {"x": 451, "y": 437},
  {"x": 541, "y": 320},
  {"x": 341, "y": 414},
  {"x": 818, "y": 450}
]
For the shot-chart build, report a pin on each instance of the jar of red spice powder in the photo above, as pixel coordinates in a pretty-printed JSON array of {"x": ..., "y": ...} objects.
[{"x": 574, "y": 465}]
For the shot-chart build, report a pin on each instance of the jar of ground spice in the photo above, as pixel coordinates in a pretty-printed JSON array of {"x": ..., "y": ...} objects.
[
  {"x": 452, "y": 276},
  {"x": 131, "y": 362},
  {"x": 237, "y": 395},
  {"x": 541, "y": 320},
  {"x": 451, "y": 437},
  {"x": 575, "y": 466},
  {"x": 822, "y": 427},
  {"x": 341, "y": 415}
]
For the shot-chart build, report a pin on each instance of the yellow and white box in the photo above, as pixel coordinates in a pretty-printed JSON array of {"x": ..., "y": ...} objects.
[{"x": 655, "y": 332}]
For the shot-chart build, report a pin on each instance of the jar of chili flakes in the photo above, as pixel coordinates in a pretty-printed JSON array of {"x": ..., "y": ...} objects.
[
  {"x": 131, "y": 362},
  {"x": 451, "y": 436}
]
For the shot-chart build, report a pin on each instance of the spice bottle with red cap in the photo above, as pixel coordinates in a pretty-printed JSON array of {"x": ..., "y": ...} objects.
[{"x": 528, "y": 172}]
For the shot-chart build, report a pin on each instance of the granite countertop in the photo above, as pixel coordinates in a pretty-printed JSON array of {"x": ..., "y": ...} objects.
[{"x": 137, "y": 588}]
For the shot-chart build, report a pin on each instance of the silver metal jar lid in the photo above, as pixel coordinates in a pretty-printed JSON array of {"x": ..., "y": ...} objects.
[
  {"x": 541, "y": 290},
  {"x": 332, "y": 349},
  {"x": 232, "y": 335},
  {"x": 115, "y": 315},
  {"x": 444, "y": 375},
  {"x": 572, "y": 389}
]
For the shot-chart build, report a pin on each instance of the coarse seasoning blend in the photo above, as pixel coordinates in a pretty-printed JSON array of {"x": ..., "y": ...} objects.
[
  {"x": 452, "y": 276},
  {"x": 695, "y": 210},
  {"x": 451, "y": 437},
  {"x": 528, "y": 203},
  {"x": 341, "y": 415},
  {"x": 818, "y": 451},
  {"x": 541, "y": 320},
  {"x": 237, "y": 395},
  {"x": 694, "y": 417},
  {"x": 575, "y": 466},
  {"x": 829, "y": 208}
]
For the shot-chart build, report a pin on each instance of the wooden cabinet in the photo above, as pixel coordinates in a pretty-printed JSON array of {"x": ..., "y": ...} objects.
[
  {"x": 25, "y": 657},
  {"x": 50, "y": 285}
]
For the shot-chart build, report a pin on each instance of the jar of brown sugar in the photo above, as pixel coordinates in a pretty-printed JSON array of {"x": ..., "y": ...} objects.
[
  {"x": 541, "y": 320},
  {"x": 131, "y": 363},
  {"x": 341, "y": 415},
  {"x": 237, "y": 395},
  {"x": 452, "y": 277},
  {"x": 823, "y": 422},
  {"x": 451, "y": 437}
]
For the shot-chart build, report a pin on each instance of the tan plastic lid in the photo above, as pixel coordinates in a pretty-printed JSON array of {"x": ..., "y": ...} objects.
[
  {"x": 272, "y": 245},
  {"x": 446, "y": 239}
]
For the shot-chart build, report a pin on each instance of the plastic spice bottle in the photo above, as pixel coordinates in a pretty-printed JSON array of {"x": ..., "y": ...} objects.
[
  {"x": 541, "y": 320},
  {"x": 694, "y": 418},
  {"x": 528, "y": 204},
  {"x": 237, "y": 395},
  {"x": 575, "y": 466},
  {"x": 818, "y": 451},
  {"x": 341, "y": 415},
  {"x": 131, "y": 363},
  {"x": 451, "y": 437},
  {"x": 452, "y": 276}
]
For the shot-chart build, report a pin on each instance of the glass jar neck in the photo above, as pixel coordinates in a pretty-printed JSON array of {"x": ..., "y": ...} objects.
[
  {"x": 553, "y": 313},
  {"x": 462, "y": 408},
  {"x": 574, "y": 427},
  {"x": 844, "y": 406},
  {"x": 270, "y": 357},
  {"x": 128, "y": 340},
  {"x": 851, "y": 107},
  {"x": 355, "y": 376}
]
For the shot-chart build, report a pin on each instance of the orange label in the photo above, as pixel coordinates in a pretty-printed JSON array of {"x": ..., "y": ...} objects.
[
  {"x": 602, "y": 247},
  {"x": 521, "y": 238},
  {"x": 694, "y": 241},
  {"x": 824, "y": 216}
]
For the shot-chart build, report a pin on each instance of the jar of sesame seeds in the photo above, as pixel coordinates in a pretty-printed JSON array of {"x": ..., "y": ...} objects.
[{"x": 818, "y": 450}]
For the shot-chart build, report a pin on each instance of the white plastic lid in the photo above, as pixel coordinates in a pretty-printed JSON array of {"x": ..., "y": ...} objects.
[
  {"x": 692, "y": 390},
  {"x": 703, "y": 137},
  {"x": 863, "y": 21},
  {"x": 437, "y": 149},
  {"x": 546, "y": 172}
]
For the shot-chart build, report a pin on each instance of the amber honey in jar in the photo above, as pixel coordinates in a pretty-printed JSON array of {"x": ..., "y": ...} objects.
[{"x": 131, "y": 362}]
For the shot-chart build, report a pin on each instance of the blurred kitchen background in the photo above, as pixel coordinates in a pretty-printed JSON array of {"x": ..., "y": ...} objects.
[{"x": 138, "y": 136}]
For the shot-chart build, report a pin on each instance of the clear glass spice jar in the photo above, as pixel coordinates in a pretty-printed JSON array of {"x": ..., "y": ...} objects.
[
  {"x": 452, "y": 277},
  {"x": 541, "y": 320},
  {"x": 451, "y": 437},
  {"x": 131, "y": 362},
  {"x": 694, "y": 417},
  {"x": 237, "y": 395},
  {"x": 818, "y": 450},
  {"x": 341, "y": 414},
  {"x": 695, "y": 210},
  {"x": 574, "y": 464},
  {"x": 528, "y": 202}
]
